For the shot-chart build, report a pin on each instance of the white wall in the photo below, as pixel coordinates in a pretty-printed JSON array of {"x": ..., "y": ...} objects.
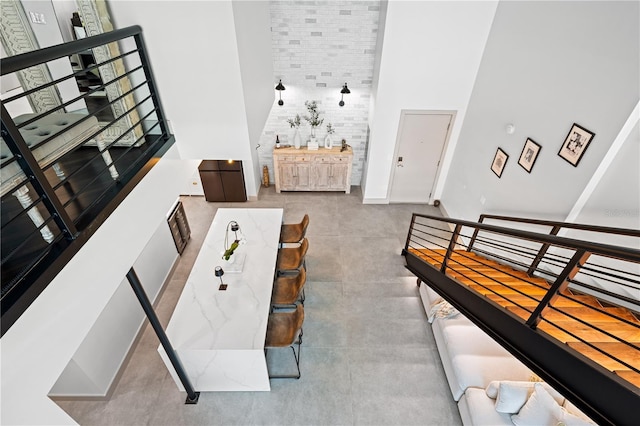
[
  {"x": 430, "y": 55},
  {"x": 38, "y": 347},
  {"x": 317, "y": 47},
  {"x": 546, "y": 66},
  {"x": 97, "y": 361},
  {"x": 253, "y": 32},
  {"x": 196, "y": 62}
]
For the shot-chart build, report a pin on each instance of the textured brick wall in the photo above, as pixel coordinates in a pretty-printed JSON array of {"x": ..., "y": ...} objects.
[{"x": 317, "y": 47}]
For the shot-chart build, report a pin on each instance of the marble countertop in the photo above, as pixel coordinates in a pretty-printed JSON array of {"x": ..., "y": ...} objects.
[{"x": 206, "y": 318}]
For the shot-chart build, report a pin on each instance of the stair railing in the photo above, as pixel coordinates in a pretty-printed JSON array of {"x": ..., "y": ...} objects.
[
  {"x": 555, "y": 229},
  {"x": 442, "y": 242}
]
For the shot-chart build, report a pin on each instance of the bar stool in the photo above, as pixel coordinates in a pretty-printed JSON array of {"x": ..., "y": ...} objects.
[
  {"x": 292, "y": 258},
  {"x": 285, "y": 329},
  {"x": 293, "y": 233},
  {"x": 288, "y": 289}
]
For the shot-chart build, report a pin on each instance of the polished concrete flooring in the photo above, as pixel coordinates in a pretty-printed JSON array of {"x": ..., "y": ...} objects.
[{"x": 368, "y": 355}]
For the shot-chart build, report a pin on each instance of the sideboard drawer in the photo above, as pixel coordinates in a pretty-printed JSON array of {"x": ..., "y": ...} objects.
[
  {"x": 302, "y": 158},
  {"x": 341, "y": 159},
  {"x": 322, "y": 159}
]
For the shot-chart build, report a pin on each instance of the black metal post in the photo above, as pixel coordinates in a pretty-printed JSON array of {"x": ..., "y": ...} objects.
[
  {"x": 542, "y": 252},
  {"x": 27, "y": 162},
  {"x": 132, "y": 277},
  {"x": 148, "y": 72},
  {"x": 452, "y": 245},
  {"x": 573, "y": 267},
  {"x": 475, "y": 233},
  {"x": 406, "y": 245}
]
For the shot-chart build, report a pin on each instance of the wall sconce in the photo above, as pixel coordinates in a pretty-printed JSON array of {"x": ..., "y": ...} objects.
[
  {"x": 345, "y": 90},
  {"x": 280, "y": 88}
]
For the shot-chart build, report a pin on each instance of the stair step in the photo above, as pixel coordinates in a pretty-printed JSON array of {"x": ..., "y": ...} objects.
[
  {"x": 502, "y": 289},
  {"x": 531, "y": 302},
  {"x": 584, "y": 313},
  {"x": 620, "y": 351},
  {"x": 629, "y": 376},
  {"x": 592, "y": 332},
  {"x": 589, "y": 300}
]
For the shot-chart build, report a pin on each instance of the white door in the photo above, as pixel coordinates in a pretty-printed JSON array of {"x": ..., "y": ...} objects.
[{"x": 421, "y": 139}]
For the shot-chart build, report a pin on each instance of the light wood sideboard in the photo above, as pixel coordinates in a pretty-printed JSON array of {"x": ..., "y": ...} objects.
[{"x": 318, "y": 170}]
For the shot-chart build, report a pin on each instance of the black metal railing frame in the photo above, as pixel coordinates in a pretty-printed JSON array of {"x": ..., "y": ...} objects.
[
  {"x": 45, "y": 194},
  {"x": 582, "y": 250}
]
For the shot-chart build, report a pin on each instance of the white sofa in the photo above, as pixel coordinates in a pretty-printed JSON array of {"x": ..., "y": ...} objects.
[{"x": 491, "y": 386}]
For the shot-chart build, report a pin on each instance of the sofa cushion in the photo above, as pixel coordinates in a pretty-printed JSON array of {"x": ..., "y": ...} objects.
[
  {"x": 478, "y": 409},
  {"x": 540, "y": 409},
  {"x": 512, "y": 395}
]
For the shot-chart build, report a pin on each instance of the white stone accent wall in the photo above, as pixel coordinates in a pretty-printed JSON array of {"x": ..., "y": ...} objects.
[{"x": 317, "y": 47}]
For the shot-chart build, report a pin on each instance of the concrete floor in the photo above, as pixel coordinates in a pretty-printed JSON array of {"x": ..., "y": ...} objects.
[{"x": 368, "y": 356}]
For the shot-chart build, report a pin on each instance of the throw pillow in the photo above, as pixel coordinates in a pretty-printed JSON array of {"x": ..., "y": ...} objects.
[
  {"x": 442, "y": 310},
  {"x": 540, "y": 409},
  {"x": 570, "y": 419}
]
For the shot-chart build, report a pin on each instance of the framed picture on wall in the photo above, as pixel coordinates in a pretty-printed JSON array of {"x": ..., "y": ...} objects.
[
  {"x": 529, "y": 154},
  {"x": 499, "y": 161},
  {"x": 575, "y": 144}
]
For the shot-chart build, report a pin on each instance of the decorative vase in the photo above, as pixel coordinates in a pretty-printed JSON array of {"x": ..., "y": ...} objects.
[
  {"x": 328, "y": 142},
  {"x": 297, "y": 140}
]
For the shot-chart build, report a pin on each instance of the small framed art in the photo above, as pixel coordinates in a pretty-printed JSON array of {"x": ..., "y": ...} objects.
[
  {"x": 529, "y": 155},
  {"x": 575, "y": 144},
  {"x": 499, "y": 161}
]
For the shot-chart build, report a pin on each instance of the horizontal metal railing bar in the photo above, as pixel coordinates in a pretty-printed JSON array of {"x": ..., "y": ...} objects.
[
  {"x": 607, "y": 250},
  {"x": 609, "y": 276},
  {"x": 103, "y": 170},
  {"x": 592, "y": 266},
  {"x": 503, "y": 258},
  {"x": 569, "y": 225},
  {"x": 24, "y": 210},
  {"x": 99, "y": 153},
  {"x": 600, "y": 290},
  {"x": 68, "y": 76},
  {"x": 27, "y": 240},
  {"x": 47, "y": 54},
  {"x": 102, "y": 129},
  {"x": 504, "y": 248},
  {"x": 432, "y": 235},
  {"x": 487, "y": 240},
  {"x": 108, "y": 188},
  {"x": 76, "y": 99}
]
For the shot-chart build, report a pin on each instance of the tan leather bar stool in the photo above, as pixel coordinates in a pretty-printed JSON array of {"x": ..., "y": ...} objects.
[
  {"x": 293, "y": 233},
  {"x": 292, "y": 258},
  {"x": 285, "y": 329},
  {"x": 288, "y": 289}
]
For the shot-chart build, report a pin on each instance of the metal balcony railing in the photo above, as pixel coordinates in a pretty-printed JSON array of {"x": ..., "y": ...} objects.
[
  {"x": 67, "y": 161},
  {"x": 540, "y": 296}
]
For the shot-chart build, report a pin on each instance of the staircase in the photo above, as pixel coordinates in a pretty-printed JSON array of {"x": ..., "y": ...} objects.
[
  {"x": 610, "y": 336},
  {"x": 541, "y": 297}
]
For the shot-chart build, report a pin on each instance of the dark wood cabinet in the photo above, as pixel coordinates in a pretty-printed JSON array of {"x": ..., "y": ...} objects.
[
  {"x": 222, "y": 180},
  {"x": 179, "y": 227}
]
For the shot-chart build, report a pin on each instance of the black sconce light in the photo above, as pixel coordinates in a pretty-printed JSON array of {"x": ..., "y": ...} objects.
[
  {"x": 280, "y": 88},
  {"x": 345, "y": 90}
]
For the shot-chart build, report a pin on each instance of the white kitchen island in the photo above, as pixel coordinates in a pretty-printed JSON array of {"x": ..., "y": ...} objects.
[{"x": 219, "y": 335}]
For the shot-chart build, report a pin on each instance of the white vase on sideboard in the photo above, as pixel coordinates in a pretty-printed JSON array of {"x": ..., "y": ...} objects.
[{"x": 297, "y": 140}]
